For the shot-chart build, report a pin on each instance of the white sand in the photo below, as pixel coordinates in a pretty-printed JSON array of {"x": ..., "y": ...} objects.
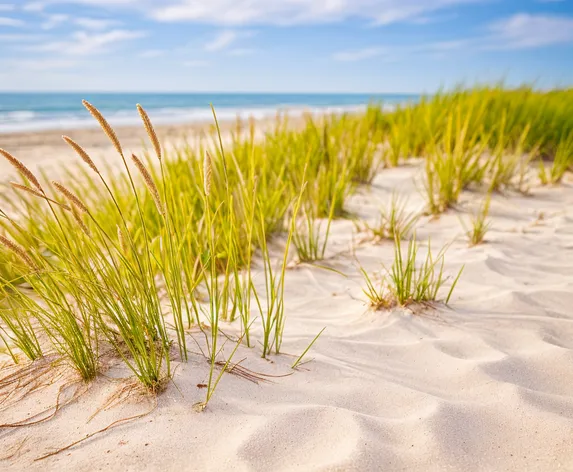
[{"x": 485, "y": 385}]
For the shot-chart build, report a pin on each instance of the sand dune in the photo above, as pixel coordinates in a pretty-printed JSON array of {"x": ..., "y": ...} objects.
[{"x": 482, "y": 385}]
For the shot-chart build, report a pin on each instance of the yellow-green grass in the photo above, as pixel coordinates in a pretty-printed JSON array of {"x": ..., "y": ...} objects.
[
  {"x": 479, "y": 223},
  {"x": 97, "y": 250},
  {"x": 97, "y": 247},
  {"x": 410, "y": 280}
]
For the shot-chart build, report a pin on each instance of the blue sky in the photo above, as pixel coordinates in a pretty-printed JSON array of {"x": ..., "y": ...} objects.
[{"x": 365, "y": 46}]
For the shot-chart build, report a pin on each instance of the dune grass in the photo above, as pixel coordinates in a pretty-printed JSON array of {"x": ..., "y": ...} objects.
[
  {"x": 124, "y": 264},
  {"x": 479, "y": 224},
  {"x": 395, "y": 220},
  {"x": 408, "y": 280}
]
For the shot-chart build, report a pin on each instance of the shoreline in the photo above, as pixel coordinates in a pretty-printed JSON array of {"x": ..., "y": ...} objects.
[{"x": 46, "y": 149}]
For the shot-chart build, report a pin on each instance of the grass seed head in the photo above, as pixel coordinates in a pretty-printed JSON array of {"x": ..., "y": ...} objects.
[
  {"x": 105, "y": 126},
  {"x": 81, "y": 152},
  {"x": 207, "y": 173},
  {"x": 150, "y": 130},
  {"x": 20, "y": 252},
  {"x": 149, "y": 183},
  {"x": 79, "y": 220},
  {"x": 37, "y": 194},
  {"x": 22, "y": 169},
  {"x": 71, "y": 197},
  {"x": 121, "y": 239}
]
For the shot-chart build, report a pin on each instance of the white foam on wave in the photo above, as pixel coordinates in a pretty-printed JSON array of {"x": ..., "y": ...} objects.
[{"x": 18, "y": 121}]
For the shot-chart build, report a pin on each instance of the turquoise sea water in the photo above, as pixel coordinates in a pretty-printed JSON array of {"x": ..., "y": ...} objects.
[{"x": 37, "y": 111}]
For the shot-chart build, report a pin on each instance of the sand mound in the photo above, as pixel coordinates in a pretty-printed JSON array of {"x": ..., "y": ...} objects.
[{"x": 482, "y": 385}]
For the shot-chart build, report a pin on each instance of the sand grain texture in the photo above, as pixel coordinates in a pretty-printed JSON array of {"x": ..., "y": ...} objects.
[{"x": 484, "y": 385}]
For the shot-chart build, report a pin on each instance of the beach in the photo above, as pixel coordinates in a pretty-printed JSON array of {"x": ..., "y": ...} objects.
[
  {"x": 479, "y": 380},
  {"x": 483, "y": 385},
  {"x": 47, "y": 149}
]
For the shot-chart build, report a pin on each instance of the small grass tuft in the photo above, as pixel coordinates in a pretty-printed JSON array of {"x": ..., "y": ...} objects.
[
  {"x": 479, "y": 224},
  {"x": 407, "y": 282}
]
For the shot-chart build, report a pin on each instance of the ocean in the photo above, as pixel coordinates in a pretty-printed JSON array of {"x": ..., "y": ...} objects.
[{"x": 43, "y": 111}]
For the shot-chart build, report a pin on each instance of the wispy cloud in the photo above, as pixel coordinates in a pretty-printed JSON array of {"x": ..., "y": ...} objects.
[
  {"x": 34, "y": 7},
  {"x": 53, "y": 21},
  {"x": 397, "y": 52},
  {"x": 281, "y": 12},
  {"x": 45, "y": 64},
  {"x": 226, "y": 38},
  {"x": 96, "y": 24},
  {"x": 5, "y": 21},
  {"x": 40, "y": 5},
  {"x": 524, "y": 31},
  {"x": 222, "y": 40},
  {"x": 7, "y": 7},
  {"x": 358, "y": 54},
  {"x": 93, "y": 24},
  {"x": 22, "y": 38},
  {"x": 82, "y": 43},
  {"x": 520, "y": 31}
]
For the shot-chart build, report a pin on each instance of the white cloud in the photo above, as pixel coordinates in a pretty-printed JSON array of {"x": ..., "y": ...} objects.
[
  {"x": 520, "y": 31},
  {"x": 7, "y": 7},
  {"x": 38, "y": 6},
  {"x": 277, "y": 12},
  {"x": 45, "y": 64},
  {"x": 5, "y": 21},
  {"x": 82, "y": 43},
  {"x": 222, "y": 40},
  {"x": 34, "y": 7},
  {"x": 523, "y": 31},
  {"x": 53, "y": 21},
  {"x": 359, "y": 54},
  {"x": 397, "y": 52},
  {"x": 241, "y": 12},
  {"x": 96, "y": 24},
  {"x": 18, "y": 38}
]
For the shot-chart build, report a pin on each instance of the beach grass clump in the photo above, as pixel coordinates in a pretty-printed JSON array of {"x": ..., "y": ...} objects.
[
  {"x": 562, "y": 162},
  {"x": 127, "y": 262},
  {"x": 110, "y": 257},
  {"x": 408, "y": 281},
  {"x": 483, "y": 135},
  {"x": 479, "y": 224},
  {"x": 395, "y": 220},
  {"x": 308, "y": 236},
  {"x": 453, "y": 163}
]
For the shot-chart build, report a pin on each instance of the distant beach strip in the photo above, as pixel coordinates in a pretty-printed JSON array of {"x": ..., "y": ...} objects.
[{"x": 45, "y": 111}]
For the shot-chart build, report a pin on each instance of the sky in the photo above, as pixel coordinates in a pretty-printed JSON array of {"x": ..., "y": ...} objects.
[{"x": 362, "y": 46}]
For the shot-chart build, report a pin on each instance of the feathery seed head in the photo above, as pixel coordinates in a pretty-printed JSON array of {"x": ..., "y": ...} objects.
[
  {"x": 121, "y": 239},
  {"x": 207, "y": 173},
  {"x": 19, "y": 251},
  {"x": 70, "y": 196},
  {"x": 105, "y": 126},
  {"x": 79, "y": 220},
  {"x": 149, "y": 183},
  {"x": 34, "y": 192},
  {"x": 150, "y": 130},
  {"x": 81, "y": 152},
  {"x": 22, "y": 169}
]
